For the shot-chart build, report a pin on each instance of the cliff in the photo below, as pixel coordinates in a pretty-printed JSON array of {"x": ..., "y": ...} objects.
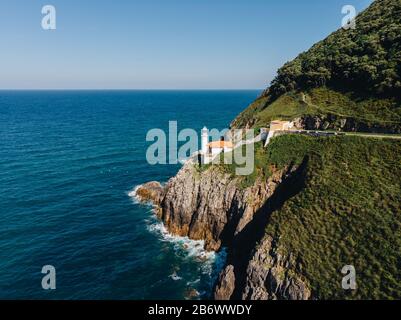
[
  {"x": 209, "y": 205},
  {"x": 312, "y": 205},
  {"x": 212, "y": 206},
  {"x": 324, "y": 203},
  {"x": 352, "y": 75}
]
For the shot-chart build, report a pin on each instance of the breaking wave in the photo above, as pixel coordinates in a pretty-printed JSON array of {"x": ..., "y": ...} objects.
[
  {"x": 211, "y": 263},
  {"x": 133, "y": 196}
]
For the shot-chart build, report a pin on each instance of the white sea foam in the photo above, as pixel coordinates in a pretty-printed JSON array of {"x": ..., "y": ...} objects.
[
  {"x": 211, "y": 263},
  {"x": 133, "y": 194},
  {"x": 191, "y": 283},
  {"x": 175, "y": 276},
  {"x": 194, "y": 248},
  {"x": 136, "y": 199}
]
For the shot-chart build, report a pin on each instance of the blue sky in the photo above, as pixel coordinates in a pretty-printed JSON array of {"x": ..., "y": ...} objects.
[{"x": 159, "y": 44}]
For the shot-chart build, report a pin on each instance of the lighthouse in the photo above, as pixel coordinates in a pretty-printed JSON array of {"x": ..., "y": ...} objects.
[{"x": 204, "y": 140}]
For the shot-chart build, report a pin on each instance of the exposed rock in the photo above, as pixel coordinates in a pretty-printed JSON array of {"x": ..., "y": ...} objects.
[
  {"x": 268, "y": 276},
  {"x": 198, "y": 206},
  {"x": 152, "y": 191},
  {"x": 334, "y": 122},
  {"x": 260, "y": 269},
  {"x": 191, "y": 294},
  {"x": 210, "y": 206},
  {"x": 226, "y": 284}
]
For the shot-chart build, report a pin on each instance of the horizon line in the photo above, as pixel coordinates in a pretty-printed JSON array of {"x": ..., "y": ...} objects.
[{"x": 131, "y": 89}]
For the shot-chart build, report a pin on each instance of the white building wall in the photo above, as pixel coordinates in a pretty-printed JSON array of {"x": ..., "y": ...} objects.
[
  {"x": 216, "y": 151},
  {"x": 204, "y": 140},
  {"x": 269, "y": 136}
]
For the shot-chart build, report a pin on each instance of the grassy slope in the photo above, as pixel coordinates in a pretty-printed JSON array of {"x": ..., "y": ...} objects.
[
  {"x": 366, "y": 59},
  {"x": 349, "y": 209},
  {"x": 362, "y": 68},
  {"x": 320, "y": 101},
  {"x": 349, "y": 212}
]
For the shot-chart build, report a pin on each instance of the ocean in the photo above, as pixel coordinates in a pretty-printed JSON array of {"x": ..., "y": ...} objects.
[{"x": 69, "y": 161}]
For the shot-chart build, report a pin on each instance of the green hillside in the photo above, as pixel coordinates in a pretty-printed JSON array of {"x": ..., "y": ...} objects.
[
  {"x": 351, "y": 74},
  {"x": 343, "y": 205},
  {"x": 347, "y": 211}
]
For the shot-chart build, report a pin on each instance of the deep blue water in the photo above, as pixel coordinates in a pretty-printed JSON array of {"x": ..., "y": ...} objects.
[{"x": 68, "y": 161}]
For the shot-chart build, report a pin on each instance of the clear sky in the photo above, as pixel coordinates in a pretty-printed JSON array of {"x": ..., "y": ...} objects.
[{"x": 159, "y": 44}]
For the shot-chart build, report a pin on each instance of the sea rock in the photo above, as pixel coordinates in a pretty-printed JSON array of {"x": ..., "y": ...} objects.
[
  {"x": 207, "y": 205},
  {"x": 152, "y": 191},
  {"x": 200, "y": 205},
  {"x": 210, "y": 205},
  {"x": 226, "y": 284},
  {"x": 191, "y": 294},
  {"x": 337, "y": 123},
  {"x": 270, "y": 275}
]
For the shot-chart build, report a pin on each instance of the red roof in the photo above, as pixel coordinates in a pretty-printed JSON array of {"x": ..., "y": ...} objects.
[{"x": 220, "y": 144}]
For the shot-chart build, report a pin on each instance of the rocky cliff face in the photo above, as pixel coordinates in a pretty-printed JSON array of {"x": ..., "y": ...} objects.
[
  {"x": 151, "y": 191},
  {"x": 257, "y": 267},
  {"x": 211, "y": 206},
  {"x": 267, "y": 277},
  {"x": 334, "y": 122},
  {"x": 331, "y": 122}
]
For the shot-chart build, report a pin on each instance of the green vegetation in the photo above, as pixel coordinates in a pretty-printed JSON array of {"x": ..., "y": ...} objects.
[
  {"x": 366, "y": 109},
  {"x": 246, "y": 116},
  {"x": 366, "y": 59},
  {"x": 351, "y": 74},
  {"x": 348, "y": 212},
  {"x": 347, "y": 204},
  {"x": 261, "y": 167},
  {"x": 324, "y": 102}
]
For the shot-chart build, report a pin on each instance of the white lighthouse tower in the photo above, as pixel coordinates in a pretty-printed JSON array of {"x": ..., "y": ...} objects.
[{"x": 204, "y": 140}]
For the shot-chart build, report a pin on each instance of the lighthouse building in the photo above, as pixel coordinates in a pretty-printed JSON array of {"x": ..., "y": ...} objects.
[{"x": 210, "y": 150}]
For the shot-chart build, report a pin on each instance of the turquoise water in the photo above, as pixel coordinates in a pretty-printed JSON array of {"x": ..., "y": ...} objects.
[{"x": 68, "y": 162}]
